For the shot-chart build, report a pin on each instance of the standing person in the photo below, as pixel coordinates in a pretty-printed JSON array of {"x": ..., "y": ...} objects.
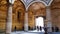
[
  {"x": 15, "y": 28},
  {"x": 45, "y": 29},
  {"x": 56, "y": 29},
  {"x": 37, "y": 28},
  {"x": 52, "y": 29},
  {"x": 40, "y": 28}
]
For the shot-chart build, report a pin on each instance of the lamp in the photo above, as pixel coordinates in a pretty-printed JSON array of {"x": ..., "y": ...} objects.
[{"x": 11, "y": 1}]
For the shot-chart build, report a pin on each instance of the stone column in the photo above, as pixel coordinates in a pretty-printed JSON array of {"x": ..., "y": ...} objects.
[
  {"x": 9, "y": 21},
  {"x": 48, "y": 18},
  {"x": 26, "y": 22}
]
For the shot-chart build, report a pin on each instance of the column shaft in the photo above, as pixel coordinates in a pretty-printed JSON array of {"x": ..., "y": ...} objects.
[
  {"x": 9, "y": 20},
  {"x": 48, "y": 17},
  {"x": 26, "y": 22}
]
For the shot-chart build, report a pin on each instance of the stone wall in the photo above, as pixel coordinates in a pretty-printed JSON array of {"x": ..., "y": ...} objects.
[
  {"x": 3, "y": 13},
  {"x": 55, "y": 12}
]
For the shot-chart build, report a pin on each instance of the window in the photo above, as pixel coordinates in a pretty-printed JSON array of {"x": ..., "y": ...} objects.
[{"x": 18, "y": 16}]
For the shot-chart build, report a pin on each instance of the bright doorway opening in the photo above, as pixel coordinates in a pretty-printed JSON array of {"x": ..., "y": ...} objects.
[{"x": 40, "y": 22}]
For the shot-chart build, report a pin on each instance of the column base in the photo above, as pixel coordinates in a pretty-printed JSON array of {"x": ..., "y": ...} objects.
[{"x": 49, "y": 29}]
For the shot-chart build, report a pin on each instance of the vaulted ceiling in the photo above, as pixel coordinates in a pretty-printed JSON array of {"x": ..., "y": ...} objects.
[
  {"x": 37, "y": 8},
  {"x": 55, "y": 4}
]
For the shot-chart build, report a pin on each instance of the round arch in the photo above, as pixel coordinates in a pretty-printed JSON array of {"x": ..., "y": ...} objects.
[
  {"x": 36, "y": 6},
  {"x": 21, "y": 3},
  {"x": 34, "y": 2},
  {"x": 18, "y": 14},
  {"x": 31, "y": 10}
]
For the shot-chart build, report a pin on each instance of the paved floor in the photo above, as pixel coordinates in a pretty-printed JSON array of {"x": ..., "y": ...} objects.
[
  {"x": 22, "y": 32},
  {"x": 27, "y": 33},
  {"x": 32, "y": 33}
]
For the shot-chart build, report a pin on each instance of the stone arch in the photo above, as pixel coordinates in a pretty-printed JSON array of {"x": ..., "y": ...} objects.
[
  {"x": 18, "y": 14},
  {"x": 36, "y": 9},
  {"x": 34, "y": 2},
  {"x": 36, "y": 6},
  {"x": 21, "y": 4}
]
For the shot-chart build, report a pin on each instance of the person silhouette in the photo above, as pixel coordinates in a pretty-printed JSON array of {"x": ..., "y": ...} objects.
[
  {"x": 45, "y": 29},
  {"x": 52, "y": 29},
  {"x": 37, "y": 28},
  {"x": 56, "y": 29},
  {"x": 15, "y": 28},
  {"x": 40, "y": 28}
]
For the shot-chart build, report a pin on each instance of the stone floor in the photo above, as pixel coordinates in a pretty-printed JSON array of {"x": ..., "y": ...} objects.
[
  {"x": 22, "y": 32},
  {"x": 34, "y": 33}
]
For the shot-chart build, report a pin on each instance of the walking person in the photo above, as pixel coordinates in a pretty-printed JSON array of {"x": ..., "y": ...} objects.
[
  {"x": 40, "y": 28},
  {"x": 37, "y": 28}
]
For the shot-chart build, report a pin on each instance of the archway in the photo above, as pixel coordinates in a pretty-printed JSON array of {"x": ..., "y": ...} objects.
[
  {"x": 18, "y": 15},
  {"x": 36, "y": 9},
  {"x": 40, "y": 23}
]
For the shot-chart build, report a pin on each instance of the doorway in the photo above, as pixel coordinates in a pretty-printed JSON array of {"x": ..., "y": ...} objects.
[{"x": 39, "y": 23}]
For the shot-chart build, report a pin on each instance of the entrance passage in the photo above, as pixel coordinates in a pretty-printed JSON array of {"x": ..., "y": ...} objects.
[
  {"x": 40, "y": 21},
  {"x": 40, "y": 24}
]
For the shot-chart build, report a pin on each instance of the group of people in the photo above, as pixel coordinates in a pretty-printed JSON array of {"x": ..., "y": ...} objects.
[
  {"x": 39, "y": 28},
  {"x": 55, "y": 29}
]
